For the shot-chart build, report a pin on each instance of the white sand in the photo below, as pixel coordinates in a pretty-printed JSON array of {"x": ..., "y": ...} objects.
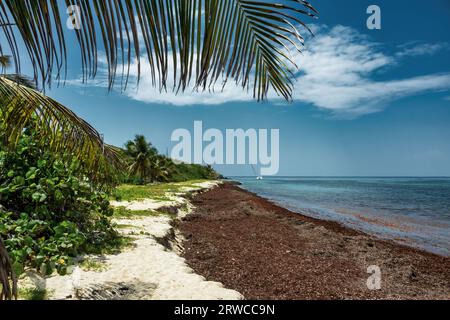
[{"x": 149, "y": 268}]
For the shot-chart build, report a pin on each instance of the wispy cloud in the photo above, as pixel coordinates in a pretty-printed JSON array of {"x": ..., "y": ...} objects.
[
  {"x": 337, "y": 74},
  {"x": 414, "y": 49}
]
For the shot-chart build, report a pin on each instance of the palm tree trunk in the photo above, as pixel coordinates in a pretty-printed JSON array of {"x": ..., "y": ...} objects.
[{"x": 8, "y": 281}]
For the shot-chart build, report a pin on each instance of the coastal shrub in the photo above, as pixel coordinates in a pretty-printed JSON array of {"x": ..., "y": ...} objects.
[
  {"x": 187, "y": 172},
  {"x": 50, "y": 210}
]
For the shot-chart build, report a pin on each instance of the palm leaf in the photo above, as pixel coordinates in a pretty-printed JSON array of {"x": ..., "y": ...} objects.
[
  {"x": 204, "y": 40},
  {"x": 57, "y": 126}
]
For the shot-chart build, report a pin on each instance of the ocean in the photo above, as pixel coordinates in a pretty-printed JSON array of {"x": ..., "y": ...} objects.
[{"x": 410, "y": 211}]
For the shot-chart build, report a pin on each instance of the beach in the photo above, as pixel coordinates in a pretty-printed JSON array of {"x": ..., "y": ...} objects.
[
  {"x": 216, "y": 241},
  {"x": 264, "y": 251}
]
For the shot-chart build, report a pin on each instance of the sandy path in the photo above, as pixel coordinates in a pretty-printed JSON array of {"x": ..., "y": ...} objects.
[{"x": 146, "y": 271}]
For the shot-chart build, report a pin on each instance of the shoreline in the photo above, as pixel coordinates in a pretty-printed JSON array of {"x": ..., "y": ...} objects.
[
  {"x": 402, "y": 242},
  {"x": 427, "y": 232},
  {"x": 266, "y": 251}
]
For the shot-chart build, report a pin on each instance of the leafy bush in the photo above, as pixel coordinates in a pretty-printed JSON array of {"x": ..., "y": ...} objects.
[{"x": 50, "y": 210}]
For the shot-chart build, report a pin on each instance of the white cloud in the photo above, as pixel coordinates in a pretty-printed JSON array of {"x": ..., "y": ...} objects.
[
  {"x": 338, "y": 70},
  {"x": 147, "y": 93},
  {"x": 367, "y": 97},
  {"x": 415, "y": 49},
  {"x": 337, "y": 74}
]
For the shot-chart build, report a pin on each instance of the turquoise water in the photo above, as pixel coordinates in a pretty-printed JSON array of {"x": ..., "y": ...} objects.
[{"x": 412, "y": 211}]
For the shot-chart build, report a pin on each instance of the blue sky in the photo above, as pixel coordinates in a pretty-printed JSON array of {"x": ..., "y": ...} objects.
[{"x": 367, "y": 102}]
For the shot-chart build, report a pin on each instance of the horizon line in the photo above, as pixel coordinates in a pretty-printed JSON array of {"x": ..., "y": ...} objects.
[{"x": 318, "y": 176}]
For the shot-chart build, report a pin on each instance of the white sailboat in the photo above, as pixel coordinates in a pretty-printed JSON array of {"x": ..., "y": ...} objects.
[{"x": 258, "y": 177}]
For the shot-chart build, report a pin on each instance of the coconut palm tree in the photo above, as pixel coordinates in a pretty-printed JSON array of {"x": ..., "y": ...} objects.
[
  {"x": 142, "y": 156},
  {"x": 186, "y": 43},
  {"x": 162, "y": 169}
]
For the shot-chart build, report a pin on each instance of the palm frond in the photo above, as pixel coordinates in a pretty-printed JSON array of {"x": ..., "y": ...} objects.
[
  {"x": 199, "y": 41},
  {"x": 20, "y": 79},
  {"x": 57, "y": 126}
]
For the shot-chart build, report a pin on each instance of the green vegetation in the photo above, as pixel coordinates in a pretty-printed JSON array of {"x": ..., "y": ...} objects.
[
  {"x": 189, "y": 172},
  {"x": 33, "y": 294},
  {"x": 51, "y": 210},
  {"x": 146, "y": 165},
  {"x": 159, "y": 191},
  {"x": 124, "y": 225},
  {"x": 90, "y": 264},
  {"x": 144, "y": 162},
  {"x": 123, "y": 213}
]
